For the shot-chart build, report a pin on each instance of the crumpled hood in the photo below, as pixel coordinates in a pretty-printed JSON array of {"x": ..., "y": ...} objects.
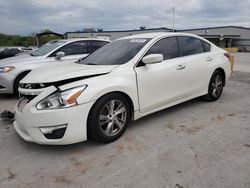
[
  {"x": 60, "y": 72},
  {"x": 24, "y": 58}
]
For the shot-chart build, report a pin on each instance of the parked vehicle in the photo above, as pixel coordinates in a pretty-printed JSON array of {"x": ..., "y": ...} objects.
[
  {"x": 242, "y": 49},
  {"x": 17, "y": 51},
  {"x": 12, "y": 70},
  {"x": 122, "y": 81},
  {"x": 2, "y": 49},
  {"x": 10, "y": 52}
]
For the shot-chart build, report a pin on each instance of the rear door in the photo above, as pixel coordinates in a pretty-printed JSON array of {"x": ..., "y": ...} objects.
[
  {"x": 197, "y": 59},
  {"x": 161, "y": 83}
]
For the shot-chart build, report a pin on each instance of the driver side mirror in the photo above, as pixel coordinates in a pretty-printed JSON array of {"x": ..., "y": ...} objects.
[
  {"x": 152, "y": 58},
  {"x": 59, "y": 55}
]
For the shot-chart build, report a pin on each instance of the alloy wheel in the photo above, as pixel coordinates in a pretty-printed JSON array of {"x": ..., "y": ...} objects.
[
  {"x": 112, "y": 117},
  {"x": 217, "y": 85}
]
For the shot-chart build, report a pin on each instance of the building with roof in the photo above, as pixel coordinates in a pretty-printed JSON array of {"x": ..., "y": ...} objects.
[
  {"x": 225, "y": 36},
  {"x": 112, "y": 35}
]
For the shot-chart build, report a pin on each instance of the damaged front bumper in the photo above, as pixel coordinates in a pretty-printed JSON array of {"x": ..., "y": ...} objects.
[{"x": 53, "y": 126}]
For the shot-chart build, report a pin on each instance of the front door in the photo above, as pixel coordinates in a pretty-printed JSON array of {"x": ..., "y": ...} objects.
[{"x": 165, "y": 82}]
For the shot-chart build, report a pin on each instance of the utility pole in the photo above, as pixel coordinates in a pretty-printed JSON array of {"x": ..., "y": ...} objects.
[
  {"x": 71, "y": 22},
  {"x": 173, "y": 17}
]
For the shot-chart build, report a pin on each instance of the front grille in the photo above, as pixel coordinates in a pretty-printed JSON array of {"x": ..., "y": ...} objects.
[
  {"x": 33, "y": 86},
  {"x": 1, "y": 87}
]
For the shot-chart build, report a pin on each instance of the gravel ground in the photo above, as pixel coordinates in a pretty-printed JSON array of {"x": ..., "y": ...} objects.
[{"x": 195, "y": 144}]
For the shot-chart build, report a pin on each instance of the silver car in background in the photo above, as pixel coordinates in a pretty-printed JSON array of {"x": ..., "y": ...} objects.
[{"x": 13, "y": 69}]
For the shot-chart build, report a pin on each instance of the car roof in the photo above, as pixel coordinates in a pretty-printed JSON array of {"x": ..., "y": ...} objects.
[
  {"x": 159, "y": 35},
  {"x": 81, "y": 39}
]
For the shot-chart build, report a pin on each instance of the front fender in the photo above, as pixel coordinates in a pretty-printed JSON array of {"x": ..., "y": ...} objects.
[{"x": 102, "y": 85}]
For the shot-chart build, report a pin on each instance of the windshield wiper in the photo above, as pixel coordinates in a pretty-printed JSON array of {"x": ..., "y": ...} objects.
[
  {"x": 33, "y": 55},
  {"x": 90, "y": 64}
]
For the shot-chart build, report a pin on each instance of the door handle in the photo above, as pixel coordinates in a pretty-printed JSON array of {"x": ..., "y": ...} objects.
[
  {"x": 209, "y": 59},
  {"x": 180, "y": 67}
]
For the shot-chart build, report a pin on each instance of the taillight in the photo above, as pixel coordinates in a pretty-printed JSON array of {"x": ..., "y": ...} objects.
[{"x": 227, "y": 55}]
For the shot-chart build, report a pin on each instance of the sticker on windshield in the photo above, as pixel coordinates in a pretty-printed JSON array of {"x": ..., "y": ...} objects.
[{"x": 138, "y": 40}]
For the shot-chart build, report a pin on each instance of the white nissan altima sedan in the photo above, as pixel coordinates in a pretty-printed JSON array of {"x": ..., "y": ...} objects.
[{"x": 125, "y": 80}]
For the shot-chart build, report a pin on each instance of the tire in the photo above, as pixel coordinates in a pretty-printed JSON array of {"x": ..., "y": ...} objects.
[
  {"x": 215, "y": 87},
  {"x": 104, "y": 125},
  {"x": 16, "y": 83}
]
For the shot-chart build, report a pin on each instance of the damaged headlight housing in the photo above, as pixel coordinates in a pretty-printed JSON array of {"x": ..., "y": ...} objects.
[
  {"x": 6, "y": 69},
  {"x": 61, "y": 99}
]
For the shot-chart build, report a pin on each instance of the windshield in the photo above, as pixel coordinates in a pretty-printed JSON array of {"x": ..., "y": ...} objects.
[
  {"x": 115, "y": 53},
  {"x": 48, "y": 47}
]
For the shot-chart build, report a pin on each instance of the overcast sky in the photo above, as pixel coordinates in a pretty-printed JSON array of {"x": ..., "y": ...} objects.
[{"x": 28, "y": 16}]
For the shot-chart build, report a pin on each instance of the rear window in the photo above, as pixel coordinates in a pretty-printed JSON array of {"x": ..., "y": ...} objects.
[
  {"x": 190, "y": 45},
  {"x": 207, "y": 47}
]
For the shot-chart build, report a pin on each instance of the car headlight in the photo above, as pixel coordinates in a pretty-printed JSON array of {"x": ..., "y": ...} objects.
[
  {"x": 61, "y": 99},
  {"x": 6, "y": 69}
]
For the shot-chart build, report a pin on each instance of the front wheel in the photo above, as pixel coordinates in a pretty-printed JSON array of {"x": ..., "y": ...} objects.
[
  {"x": 215, "y": 87},
  {"x": 109, "y": 117}
]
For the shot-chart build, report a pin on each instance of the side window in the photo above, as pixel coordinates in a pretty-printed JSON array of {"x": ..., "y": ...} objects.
[
  {"x": 190, "y": 45},
  {"x": 95, "y": 45},
  {"x": 168, "y": 47},
  {"x": 74, "y": 48},
  {"x": 207, "y": 46}
]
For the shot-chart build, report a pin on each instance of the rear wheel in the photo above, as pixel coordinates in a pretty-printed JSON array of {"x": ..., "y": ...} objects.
[
  {"x": 109, "y": 117},
  {"x": 215, "y": 87}
]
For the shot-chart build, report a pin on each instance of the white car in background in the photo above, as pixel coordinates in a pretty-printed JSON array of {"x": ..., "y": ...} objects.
[
  {"x": 13, "y": 69},
  {"x": 122, "y": 81}
]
